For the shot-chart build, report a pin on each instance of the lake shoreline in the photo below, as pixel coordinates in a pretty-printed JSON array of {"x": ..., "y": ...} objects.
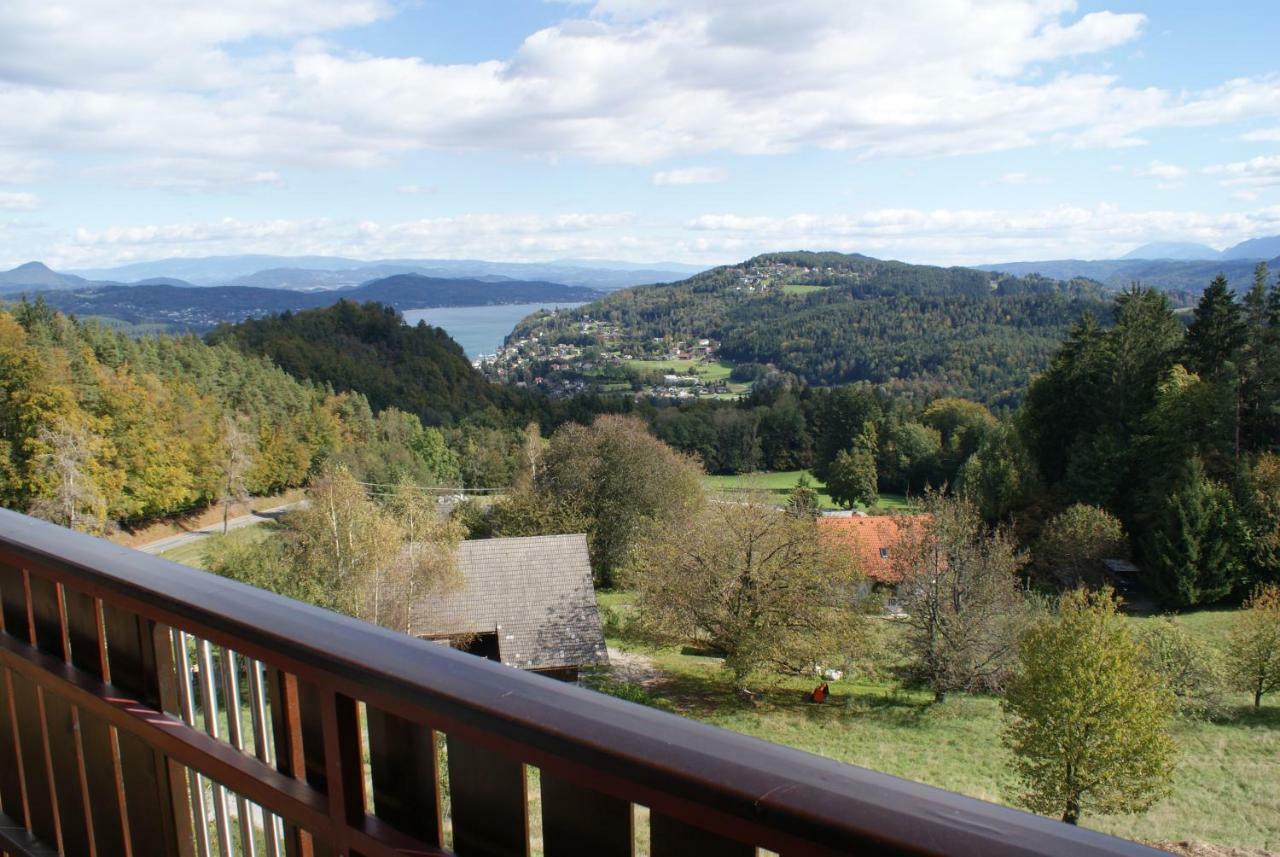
[{"x": 480, "y": 330}]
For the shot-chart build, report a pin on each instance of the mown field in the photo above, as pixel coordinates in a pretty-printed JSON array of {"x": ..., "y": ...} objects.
[
  {"x": 779, "y": 484},
  {"x": 714, "y": 371},
  {"x": 1226, "y": 788}
]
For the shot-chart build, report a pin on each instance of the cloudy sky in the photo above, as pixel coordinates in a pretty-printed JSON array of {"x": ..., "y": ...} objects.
[{"x": 950, "y": 131}]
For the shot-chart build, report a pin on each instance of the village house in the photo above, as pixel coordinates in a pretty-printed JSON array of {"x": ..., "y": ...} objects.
[
  {"x": 524, "y": 602},
  {"x": 872, "y": 539}
]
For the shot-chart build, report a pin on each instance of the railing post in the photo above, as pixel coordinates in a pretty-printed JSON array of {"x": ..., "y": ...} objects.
[
  {"x": 155, "y": 804},
  {"x": 344, "y": 773},
  {"x": 405, "y": 763},
  {"x": 291, "y": 760},
  {"x": 13, "y": 798},
  {"x": 488, "y": 799},
  {"x": 581, "y": 822},
  {"x": 98, "y": 741}
]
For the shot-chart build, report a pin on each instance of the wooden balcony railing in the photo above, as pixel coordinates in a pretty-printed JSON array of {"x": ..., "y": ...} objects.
[{"x": 150, "y": 709}]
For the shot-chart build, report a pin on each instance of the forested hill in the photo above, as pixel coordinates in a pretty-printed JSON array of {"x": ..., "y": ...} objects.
[
  {"x": 97, "y": 426},
  {"x": 197, "y": 309},
  {"x": 832, "y": 318},
  {"x": 368, "y": 348}
]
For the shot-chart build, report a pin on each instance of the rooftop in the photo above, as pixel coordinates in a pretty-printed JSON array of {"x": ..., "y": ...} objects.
[
  {"x": 535, "y": 592},
  {"x": 872, "y": 538}
]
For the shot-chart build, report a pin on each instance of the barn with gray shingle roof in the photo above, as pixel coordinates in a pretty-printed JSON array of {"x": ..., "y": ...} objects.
[{"x": 527, "y": 602}]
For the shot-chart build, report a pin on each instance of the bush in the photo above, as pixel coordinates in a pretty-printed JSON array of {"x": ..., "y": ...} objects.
[{"x": 1187, "y": 667}]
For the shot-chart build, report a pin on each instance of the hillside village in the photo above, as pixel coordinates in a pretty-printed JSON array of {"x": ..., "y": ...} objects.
[{"x": 599, "y": 360}]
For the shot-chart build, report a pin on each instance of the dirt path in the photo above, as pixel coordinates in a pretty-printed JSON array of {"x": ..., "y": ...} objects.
[
  {"x": 200, "y": 519},
  {"x": 634, "y": 668},
  {"x": 170, "y": 542}
]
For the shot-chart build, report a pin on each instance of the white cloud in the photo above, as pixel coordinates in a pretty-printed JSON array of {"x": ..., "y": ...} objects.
[
  {"x": 1161, "y": 170},
  {"x": 18, "y": 201},
  {"x": 936, "y": 236},
  {"x": 1260, "y": 172},
  {"x": 1017, "y": 179},
  {"x": 637, "y": 81},
  {"x": 1262, "y": 135},
  {"x": 190, "y": 175},
  {"x": 491, "y": 236},
  {"x": 22, "y": 169},
  {"x": 418, "y": 189},
  {"x": 971, "y": 236},
  {"x": 690, "y": 175}
]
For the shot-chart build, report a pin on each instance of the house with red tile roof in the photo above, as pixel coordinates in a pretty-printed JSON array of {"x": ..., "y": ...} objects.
[{"x": 872, "y": 539}]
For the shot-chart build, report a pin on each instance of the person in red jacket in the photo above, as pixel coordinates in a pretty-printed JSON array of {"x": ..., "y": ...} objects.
[{"x": 820, "y": 693}]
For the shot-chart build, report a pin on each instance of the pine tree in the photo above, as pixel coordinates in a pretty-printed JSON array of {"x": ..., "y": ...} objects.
[
  {"x": 803, "y": 502},
  {"x": 1088, "y": 719},
  {"x": 1192, "y": 554},
  {"x": 1217, "y": 332}
]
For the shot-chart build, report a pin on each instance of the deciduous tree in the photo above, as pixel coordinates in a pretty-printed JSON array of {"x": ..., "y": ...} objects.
[
  {"x": 238, "y": 448},
  {"x": 754, "y": 582},
  {"x": 1187, "y": 667},
  {"x": 622, "y": 481},
  {"x": 428, "y": 561},
  {"x": 1088, "y": 720},
  {"x": 1253, "y": 653},
  {"x": 342, "y": 538},
  {"x": 65, "y": 468},
  {"x": 960, "y": 590},
  {"x": 1073, "y": 544},
  {"x": 851, "y": 478}
]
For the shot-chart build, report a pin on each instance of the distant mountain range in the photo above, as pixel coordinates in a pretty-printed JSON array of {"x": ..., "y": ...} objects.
[
  {"x": 1256, "y": 249},
  {"x": 37, "y": 275},
  {"x": 1170, "y": 265},
  {"x": 188, "y": 307},
  {"x": 330, "y": 272}
]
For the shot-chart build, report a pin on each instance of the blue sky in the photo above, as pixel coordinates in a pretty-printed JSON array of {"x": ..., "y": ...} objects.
[{"x": 946, "y": 131}]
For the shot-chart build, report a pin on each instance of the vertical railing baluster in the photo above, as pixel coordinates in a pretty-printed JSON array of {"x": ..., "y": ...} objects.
[
  {"x": 258, "y": 715},
  {"x": 25, "y": 707},
  {"x": 209, "y": 703},
  {"x": 186, "y": 696},
  {"x": 231, "y": 699}
]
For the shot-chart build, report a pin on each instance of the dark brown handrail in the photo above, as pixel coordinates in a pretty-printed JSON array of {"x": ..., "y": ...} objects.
[{"x": 708, "y": 781}]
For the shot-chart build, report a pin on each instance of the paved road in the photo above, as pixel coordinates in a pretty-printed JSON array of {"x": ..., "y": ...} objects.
[{"x": 170, "y": 542}]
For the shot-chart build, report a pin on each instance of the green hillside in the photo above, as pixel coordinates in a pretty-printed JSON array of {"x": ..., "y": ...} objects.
[{"x": 833, "y": 319}]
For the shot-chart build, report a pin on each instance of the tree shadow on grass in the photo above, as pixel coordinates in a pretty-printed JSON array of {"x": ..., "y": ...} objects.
[{"x": 1266, "y": 717}]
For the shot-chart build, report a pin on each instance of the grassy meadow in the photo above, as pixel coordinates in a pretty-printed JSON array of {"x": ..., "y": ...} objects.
[
  {"x": 192, "y": 553},
  {"x": 715, "y": 371},
  {"x": 1226, "y": 788},
  {"x": 780, "y": 483}
]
